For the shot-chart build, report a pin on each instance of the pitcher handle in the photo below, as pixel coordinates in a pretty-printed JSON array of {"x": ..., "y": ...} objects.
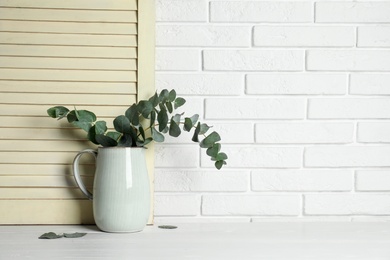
[{"x": 76, "y": 172}]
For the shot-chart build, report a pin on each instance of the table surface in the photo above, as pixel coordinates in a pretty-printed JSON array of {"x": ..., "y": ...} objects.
[{"x": 346, "y": 240}]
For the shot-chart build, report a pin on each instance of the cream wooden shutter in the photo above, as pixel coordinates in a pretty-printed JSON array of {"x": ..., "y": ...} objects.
[{"x": 93, "y": 54}]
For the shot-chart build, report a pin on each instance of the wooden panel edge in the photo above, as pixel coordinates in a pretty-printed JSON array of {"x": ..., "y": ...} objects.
[{"x": 146, "y": 75}]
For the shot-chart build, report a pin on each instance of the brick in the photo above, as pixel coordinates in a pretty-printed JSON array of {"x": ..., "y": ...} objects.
[
  {"x": 370, "y": 84},
  {"x": 202, "y": 84},
  {"x": 261, "y": 157},
  {"x": 305, "y": 132},
  {"x": 373, "y": 180},
  {"x": 374, "y": 36},
  {"x": 260, "y": 205},
  {"x": 194, "y": 220},
  {"x": 254, "y": 60},
  {"x": 348, "y": 60},
  {"x": 371, "y": 219},
  {"x": 303, "y": 219},
  {"x": 304, "y": 36},
  {"x": 181, "y": 11},
  {"x": 176, "y": 205},
  {"x": 349, "y": 108},
  {"x": 203, "y": 35},
  {"x": 373, "y": 132},
  {"x": 178, "y": 59},
  {"x": 347, "y": 156},
  {"x": 296, "y": 84},
  {"x": 347, "y": 204},
  {"x": 192, "y": 181},
  {"x": 254, "y": 108},
  {"x": 231, "y": 133},
  {"x": 251, "y": 11},
  {"x": 344, "y": 12},
  {"x": 302, "y": 180},
  {"x": 176, "y": 156}
]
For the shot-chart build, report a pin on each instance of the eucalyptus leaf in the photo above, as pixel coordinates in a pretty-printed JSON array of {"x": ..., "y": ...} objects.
[
  {"x": 85, "y": 115},
  {"x": 158, "y": 137},
  {"x": 50, "y": 235},
  {"x": 74, "y": 235},
  {"x": 152, "y": 118},
  {"x": 203, "y": 129},
  {"x": 221, "y": 157},
  {"x": 210, "y": 140},
  {"x": 187, "y": 124},
  {"x": 91, "y": 134},
  {"x": 122, "y": 124},
  {"x": 126, "y": 141},
  {"x": 83, "y": 125},
  {"x": 148, "y": 140},
  {"x": 145, "y": 107},
  {"x": 164, "y": 95},
  {"x": 132, "y": 114},
  {"x": 142, "y": 132},
  {"x": 172, "y": 95},
  {"x": 174, "y": 129},
  {"x": 100, "y": 127},
  {"x": 71, "y": 116},
  {"x": 214, "y": 150},
  {"x": 165, "y": 130},
  {"x": 57, "y": 112},
  {"x": 105, "y": 141},
  {"x": 195, "y": 137},
  {"x": 194, "y": 119},
  {"x": 162, "y": 119},
  {"x": 167, "y": 227},
  {"x": 179, "y": 102},
  {"x": 114, "y": 135},
  {"x": 176, "y": 118},
  {"x": 169, "y": 107},
  {"x": 219, "y": 164},
  {"x": 154, "y": 100}
]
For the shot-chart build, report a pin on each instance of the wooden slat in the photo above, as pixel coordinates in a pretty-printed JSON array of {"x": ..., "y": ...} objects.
[
  {"x": 45, "y": 146},
  {"x": 68, "y": 63},
  {"x": 67, "y": 87},
  {"x": 46, "y": 211},
  {"x": 43, "y": 181},
  {"x": 41, "y": 134},
  {"x": 68, "y": 39},
  {"x": 68, "y": 51},
  {"x": 45, "y": 135},
  {"x": 68, "y": 75},
  {"x": 41, "y": 193},
  {"x": 44, "y": 169},
  {"x": 73, "y": 4},
  {"x": 41, "y": 157},
  {"x": 42, "y": 122},
  {"x": 68, "y": 15},
  {"x": 40, "y": 110},
  {"x": 64, "y": 99},
  {"x": 68, "y": 27}
]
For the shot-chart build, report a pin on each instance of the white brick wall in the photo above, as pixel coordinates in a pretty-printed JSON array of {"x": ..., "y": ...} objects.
[{"x": 298, "y": 90}]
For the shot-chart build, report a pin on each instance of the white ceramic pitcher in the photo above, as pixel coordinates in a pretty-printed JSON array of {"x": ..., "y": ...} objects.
[{"x": 121, "y": 191}]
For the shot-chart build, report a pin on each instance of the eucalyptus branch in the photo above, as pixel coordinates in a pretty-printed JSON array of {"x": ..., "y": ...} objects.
[{"x": 129, "y": 132}]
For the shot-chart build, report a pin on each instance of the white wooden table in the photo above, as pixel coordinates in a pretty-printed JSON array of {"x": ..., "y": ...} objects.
[{"x": 302, "y": 241}]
